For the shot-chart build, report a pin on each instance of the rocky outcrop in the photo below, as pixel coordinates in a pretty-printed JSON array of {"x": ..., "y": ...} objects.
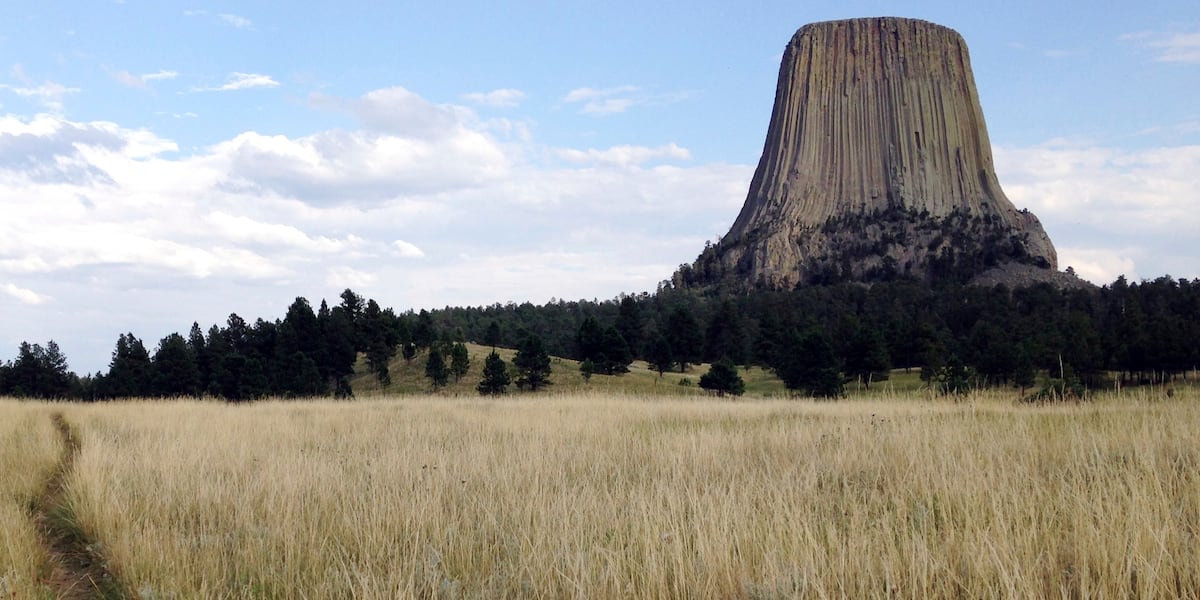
[{"x": 877, "y": 163}]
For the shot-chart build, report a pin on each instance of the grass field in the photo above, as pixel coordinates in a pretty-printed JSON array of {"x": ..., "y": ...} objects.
[
  {"x": 408, "y": 377},
  {"x": 601, "y": 495},
  {"x": 29, "y": 450}
]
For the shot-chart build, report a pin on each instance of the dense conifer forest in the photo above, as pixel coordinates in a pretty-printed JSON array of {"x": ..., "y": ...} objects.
[{"x": 814, "y": 338}]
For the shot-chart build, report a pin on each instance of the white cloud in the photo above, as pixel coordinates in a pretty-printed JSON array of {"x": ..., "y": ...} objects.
[
  {"x": 141, "y": 81},
  {"x": 23, "y": 295},
  {"x": 1173, "y": 46},
  {"x": 241, "y": 81},
  {"x": 50, "y": 94},
  {"x": 236, "y": 21},
  {"x": 346, "y": 277},
  {"x": 504, "y": 98},
  {"x": 587, "y": 93},
  {"x": 408, "y": 250},
  {"x": 1099, "y": 265},
  {"x": 1110, "y": 210},
  {"x": 626, "y": 155},
  {"x": 607, "y": 101}
]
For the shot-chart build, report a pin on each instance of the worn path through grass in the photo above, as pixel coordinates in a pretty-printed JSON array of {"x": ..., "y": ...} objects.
[{"x": 77, "y": 571}]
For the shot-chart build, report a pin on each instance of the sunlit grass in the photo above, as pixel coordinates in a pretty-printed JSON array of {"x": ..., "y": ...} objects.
[
  {"x": 29, "y": 449},
  {"x": 628, "y": 496}
]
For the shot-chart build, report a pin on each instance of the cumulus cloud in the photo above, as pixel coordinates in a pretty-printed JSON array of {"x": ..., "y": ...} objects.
[
  {"x": 241, "y": 81},
  {"x": 23, "y": 295},
  {"x": 1110, "y": 210},
  {"x": 1169, "y": 46},
  {"x": 505, "y": 98},
  {"x": 1099, "y": 265}
]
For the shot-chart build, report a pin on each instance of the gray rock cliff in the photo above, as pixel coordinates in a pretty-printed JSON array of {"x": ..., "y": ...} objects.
[{"x": 876, "y": 164}]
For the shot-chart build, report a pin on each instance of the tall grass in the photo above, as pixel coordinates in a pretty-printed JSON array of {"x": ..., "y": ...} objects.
[
  {"x": 606, "y": 496},
  {"x": 29, "y": 449}
]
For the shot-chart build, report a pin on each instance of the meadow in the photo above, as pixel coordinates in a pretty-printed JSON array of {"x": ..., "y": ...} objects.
[{"x": 594, "y": 495}]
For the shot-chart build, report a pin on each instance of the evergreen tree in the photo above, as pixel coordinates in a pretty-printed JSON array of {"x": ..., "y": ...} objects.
[
  {"x": 435, "y": 368},
  {"x": 615, "y": 356},
  {"x": 661, "y": 358},
  {"x": 687, "y": 341},
  {"x": 723, "y": 378},
  {"x": 495, "y": 376},
  {"x": 339, "y": 354},
  {"x": 424, "y": 333},
  {"x": 378, "y": 336},
  {"x": 589, "y": 340},
  {"x": 37, "y": 372},
  {"x": 726, "y": 335},
  {"x": 174, "y": 371},
  {"x": 630, "y": 323},
  {"x": 1024, "y": 375},
  {"x": 409, "y": 352},
  {"x": 808, "y": 362},
  {"x": 492, "y": 337},
  {"x": 129, "y": 373},
  {"x": 587, "y": 368},
  {"x": 460, "y": 360},
  {"x": 866, "y": 354},
  {"x": 532, "y": 363}
]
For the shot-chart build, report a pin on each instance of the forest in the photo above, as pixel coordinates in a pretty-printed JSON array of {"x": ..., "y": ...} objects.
[{"x": 815, "y": 338}]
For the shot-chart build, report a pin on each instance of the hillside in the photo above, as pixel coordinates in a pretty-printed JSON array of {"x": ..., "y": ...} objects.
[{"x": 408, "y": 378}]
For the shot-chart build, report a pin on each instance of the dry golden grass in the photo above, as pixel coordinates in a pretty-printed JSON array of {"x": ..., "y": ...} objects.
[
  {"x": 604, "y": 496},
  {"x": 29, "y": 449}
]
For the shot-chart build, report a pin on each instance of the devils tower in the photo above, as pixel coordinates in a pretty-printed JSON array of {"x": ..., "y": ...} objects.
[{"x": 876, "y": 165}]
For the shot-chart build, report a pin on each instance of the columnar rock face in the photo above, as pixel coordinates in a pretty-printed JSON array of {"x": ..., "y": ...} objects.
[{"x": 876, "y": 164}]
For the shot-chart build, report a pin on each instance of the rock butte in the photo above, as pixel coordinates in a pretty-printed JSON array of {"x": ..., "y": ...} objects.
[{"x": 876, "y": 164}]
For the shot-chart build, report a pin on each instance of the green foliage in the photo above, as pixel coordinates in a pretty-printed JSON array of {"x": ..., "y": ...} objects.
[
  {"x": 866, "y": 353},
  {"x": 661, "y": 357},
  {"x": 685, "y": 337},
  {"x": 435, "y": 368},
  {"x": 955, "y": 378},
  {"x": 37, "y": 373},
  {"x": 723, "y": 378},
  {"x": 586, "y": 369},
  {"x": 460, "y": 360},
  {"x": 807, "y": 362},
  {"x": 533, "y": 364},
  {"x": 495, "y": 376},
  {"x": 492, "y": 336}
]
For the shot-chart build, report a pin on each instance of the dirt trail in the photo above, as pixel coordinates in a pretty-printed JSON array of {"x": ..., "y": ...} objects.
[{"x": 76, "y": 569}]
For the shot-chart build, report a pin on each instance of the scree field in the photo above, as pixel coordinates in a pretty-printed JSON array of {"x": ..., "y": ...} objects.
[{"x": 606, "y": 496}]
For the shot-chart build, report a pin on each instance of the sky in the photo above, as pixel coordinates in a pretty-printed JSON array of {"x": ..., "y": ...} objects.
[{"x": 165, "y": 162}]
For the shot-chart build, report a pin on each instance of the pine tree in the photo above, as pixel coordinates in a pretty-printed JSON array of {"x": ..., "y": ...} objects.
[
  {"x": 492, "y": 336},
  {"x": 174, "y": 368},
  {"x": 460, "y": 360},
  {"x": 435, "y": 368},
  {"x": 495, "y": 376},
  {"x": 687, "y": 341},
  {"x": 661, "y": 358},
  {"x": 532, "y": 363},
  {"x": 723, "y": 378}
]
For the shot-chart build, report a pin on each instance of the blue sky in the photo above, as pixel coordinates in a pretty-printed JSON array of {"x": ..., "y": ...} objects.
[{"x": 165, "y": 162}]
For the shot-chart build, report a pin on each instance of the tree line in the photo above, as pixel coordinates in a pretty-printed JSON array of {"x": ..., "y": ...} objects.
[{"x": 815, "y": 338}]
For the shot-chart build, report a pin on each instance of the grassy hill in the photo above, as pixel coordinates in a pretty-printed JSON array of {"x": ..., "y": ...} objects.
[{"x": 408, "y": 377}]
